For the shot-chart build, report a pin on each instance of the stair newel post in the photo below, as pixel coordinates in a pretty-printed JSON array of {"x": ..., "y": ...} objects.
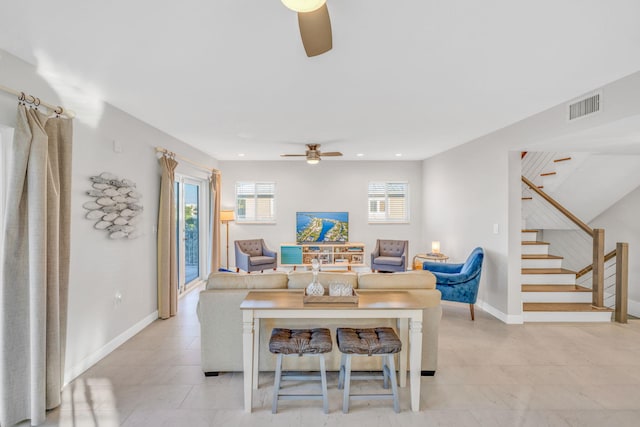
[
  {"x": 598, "y": 267},
  {"x": 622, "y": 281}
]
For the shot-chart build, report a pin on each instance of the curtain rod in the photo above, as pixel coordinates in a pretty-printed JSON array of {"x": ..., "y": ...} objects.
[
  {"x": 201, "y": 166},
  {"x": 36, "y": 101}
]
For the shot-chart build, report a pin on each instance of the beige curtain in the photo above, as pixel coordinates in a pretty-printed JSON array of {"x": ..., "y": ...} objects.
[
  {"x": 33, "y": 299},
  {"x": 214, "y": 190},
  {"x": 167, "y": 241}
]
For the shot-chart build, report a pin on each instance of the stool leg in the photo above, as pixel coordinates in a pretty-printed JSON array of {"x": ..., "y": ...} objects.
[
  {"x": 323, "y": 377},
  {"x": 276, "y": 384},
  {"x": 347, "y": 384},
  {"x": 394, "y": 383},
  {"x": 385, "y": 373},
  {"x": 341, "y": 374}
]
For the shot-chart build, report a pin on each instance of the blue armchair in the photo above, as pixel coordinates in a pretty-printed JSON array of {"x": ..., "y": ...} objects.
[
  {"x": 459, "y": 282},
  {"x": 254, "y": 255}
]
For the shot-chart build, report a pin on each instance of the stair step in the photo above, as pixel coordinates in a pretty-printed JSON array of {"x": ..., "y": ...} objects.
[
  {"x": 535, "y": 247},
  {"x": 554, "y": 288},
  {"x": 541, "y": 261},
  {"x": 541, "y": 256},
  {"x": 563, "y": 306},
  {"x": 564, "y": 159},
  {"x": 555, "y": 294},
  {"x": 547, "y": 174},
  {"x": 548, "y": 276},
  {"x": 564, "y": 312},
  {"x": 547, "y": 271}
]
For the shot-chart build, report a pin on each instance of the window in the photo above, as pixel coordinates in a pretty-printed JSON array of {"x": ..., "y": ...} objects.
[
  {"x": 388, "y": 201},
  {"x": 255, "y": 201}
]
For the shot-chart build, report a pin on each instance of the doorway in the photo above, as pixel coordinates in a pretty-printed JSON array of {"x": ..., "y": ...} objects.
[{"x": 192, "y": 223}]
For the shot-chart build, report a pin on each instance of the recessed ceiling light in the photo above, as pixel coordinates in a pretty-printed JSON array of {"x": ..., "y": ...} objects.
[
  {"x": 240, "y": 154},
  {"x": 398, "y": 154},
  {"x": 360, "y": 154}
]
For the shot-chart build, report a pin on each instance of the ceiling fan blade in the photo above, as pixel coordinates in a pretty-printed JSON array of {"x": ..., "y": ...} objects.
[
  {"x": 331, "y": 154},
  {"x": 315, "y": 30},
  {"x": 293, "y": 155}
]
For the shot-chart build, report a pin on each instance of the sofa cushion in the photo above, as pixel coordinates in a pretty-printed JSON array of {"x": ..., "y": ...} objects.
[
  {"x": 276, "y": 280},
  {"x": 388, "y": 260},
  {"x": 301, "y": 279},
  {"x": 415, "y": 279},
  {"x": 261, "y": 260}
]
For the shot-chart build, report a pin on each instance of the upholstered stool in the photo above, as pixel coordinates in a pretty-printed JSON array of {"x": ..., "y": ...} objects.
[
  {"x": 368, "y": 342},
  {"x": 299, "y": 342}
]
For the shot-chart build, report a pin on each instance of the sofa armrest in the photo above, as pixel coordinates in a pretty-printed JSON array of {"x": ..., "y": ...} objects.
[{"x": 268, "y": 252}]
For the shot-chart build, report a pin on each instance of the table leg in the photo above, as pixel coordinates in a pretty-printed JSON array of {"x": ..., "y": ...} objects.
[
  {"x": 403, "y": 328},
  {"x": 415, "y": 360},
  {"x": 256, "y": 352},
  {"x": 247, "y": 357}
]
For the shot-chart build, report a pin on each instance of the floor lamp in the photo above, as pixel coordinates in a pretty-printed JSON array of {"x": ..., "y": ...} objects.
[{"x": 225, "y": 217}]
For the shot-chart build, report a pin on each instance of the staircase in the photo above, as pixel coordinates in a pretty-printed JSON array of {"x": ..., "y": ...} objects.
[{"x": 550, "y": 292}]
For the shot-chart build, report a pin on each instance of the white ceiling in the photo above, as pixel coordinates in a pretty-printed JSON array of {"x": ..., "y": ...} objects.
[{"x": 415, "y": 77}]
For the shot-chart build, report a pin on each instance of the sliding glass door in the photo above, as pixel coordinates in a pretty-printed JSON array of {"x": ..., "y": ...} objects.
[{"x": 191, "y": 212}]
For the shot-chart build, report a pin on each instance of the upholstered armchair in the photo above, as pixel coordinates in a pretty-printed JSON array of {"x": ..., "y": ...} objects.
[
  {"x": 254, "y": 255},
  {"x": 390, "y": 255},
  {"x": 458, "y": 282}
]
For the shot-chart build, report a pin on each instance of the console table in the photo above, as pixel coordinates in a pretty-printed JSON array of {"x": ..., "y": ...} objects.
[{"x": 401, "y": 305}]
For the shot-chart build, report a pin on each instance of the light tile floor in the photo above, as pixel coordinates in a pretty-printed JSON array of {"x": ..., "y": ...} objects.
[{"x": 489, "y": 374}]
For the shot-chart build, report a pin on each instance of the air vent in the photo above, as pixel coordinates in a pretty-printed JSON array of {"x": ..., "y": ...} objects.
[{"x": 584, "y": 107}]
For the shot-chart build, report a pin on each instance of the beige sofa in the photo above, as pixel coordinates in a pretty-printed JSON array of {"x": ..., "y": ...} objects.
[{"x": 221, "y": 318}]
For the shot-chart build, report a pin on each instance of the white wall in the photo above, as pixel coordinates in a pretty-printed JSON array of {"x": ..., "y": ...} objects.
[
  {"x": 471, "y": 187},
  {"x": 621, "y": 224},
  {"x": 100, "y": 267},
  {"x": 328, "y": 186}
]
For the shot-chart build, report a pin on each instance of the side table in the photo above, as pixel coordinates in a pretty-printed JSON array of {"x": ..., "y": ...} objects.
[{"x": 417, "y": 260}]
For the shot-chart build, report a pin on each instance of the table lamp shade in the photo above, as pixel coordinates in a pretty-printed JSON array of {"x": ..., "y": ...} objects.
[{"x": 435, "y": 247}]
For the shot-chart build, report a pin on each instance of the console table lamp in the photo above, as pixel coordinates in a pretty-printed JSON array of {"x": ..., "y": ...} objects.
[
  {"x": 435, "y": 248},
  {"x": 225, "y": 217}
]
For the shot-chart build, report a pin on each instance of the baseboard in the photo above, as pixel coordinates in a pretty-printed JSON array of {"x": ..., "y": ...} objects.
[
  {"x": 633, "y": 308},
  {"x": 509, "y": 319},
  {"x": 94, "y": 358}
]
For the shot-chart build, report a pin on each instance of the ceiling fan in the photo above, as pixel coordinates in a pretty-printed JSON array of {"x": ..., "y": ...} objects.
[
  {"x": 314, "y": 23},
  {"x": 313, "y": 154}
]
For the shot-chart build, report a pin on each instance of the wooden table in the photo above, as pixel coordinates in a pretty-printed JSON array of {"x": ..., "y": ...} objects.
[{"x": 400, "y": 305}]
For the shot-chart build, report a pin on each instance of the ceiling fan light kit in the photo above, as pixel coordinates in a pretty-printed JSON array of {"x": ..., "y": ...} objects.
[
  {"x": 315, "y": 25},
  {"x": 303, "y": 5}
]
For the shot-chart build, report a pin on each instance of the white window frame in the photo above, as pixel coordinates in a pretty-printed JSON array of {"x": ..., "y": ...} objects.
[
  {"x": 385, "y": 216},
  {"x": 253, "y": 218}
]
